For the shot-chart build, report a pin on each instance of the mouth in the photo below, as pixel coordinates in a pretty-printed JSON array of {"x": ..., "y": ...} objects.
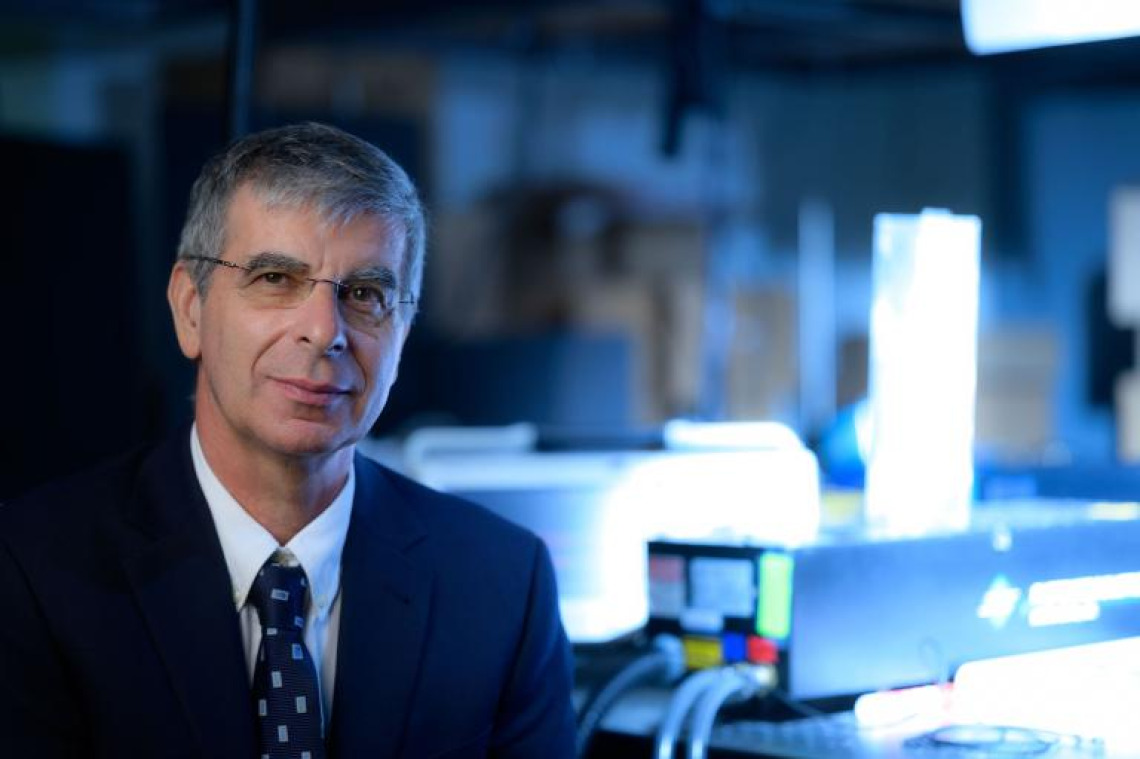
[{"x": 311, "y": 393}]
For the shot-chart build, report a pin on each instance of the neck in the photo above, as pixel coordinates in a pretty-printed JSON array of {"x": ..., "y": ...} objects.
[{"x": 283, "y": 493}]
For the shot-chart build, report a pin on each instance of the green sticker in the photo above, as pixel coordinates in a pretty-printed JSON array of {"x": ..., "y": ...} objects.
[{"x": 774, "y": 605}]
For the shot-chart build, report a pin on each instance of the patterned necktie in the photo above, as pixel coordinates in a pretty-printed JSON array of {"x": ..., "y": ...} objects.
[{"x": 285, "y": 696}]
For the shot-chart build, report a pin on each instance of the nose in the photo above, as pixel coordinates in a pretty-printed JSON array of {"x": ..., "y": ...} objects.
[{"x": 319, "y": 321}]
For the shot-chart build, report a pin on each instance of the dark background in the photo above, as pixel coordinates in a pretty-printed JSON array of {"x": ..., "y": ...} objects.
[{"x": 108, "y": 109}]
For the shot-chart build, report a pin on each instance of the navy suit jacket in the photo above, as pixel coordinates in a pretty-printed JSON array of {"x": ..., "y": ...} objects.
[{"x": 119, "y": 638}]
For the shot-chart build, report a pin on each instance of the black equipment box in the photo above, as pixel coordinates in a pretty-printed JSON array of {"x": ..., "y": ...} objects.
[{"x": 850, "y": 614}]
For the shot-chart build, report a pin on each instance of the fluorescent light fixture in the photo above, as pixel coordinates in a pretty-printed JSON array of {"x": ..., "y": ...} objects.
[{"x": 1000, "y": 26}]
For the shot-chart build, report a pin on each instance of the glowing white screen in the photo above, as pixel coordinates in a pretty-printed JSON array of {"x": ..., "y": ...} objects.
[{"x": 997, "y": 26}]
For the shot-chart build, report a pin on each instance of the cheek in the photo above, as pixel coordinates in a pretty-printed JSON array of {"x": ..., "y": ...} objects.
[
  {"x": 214, "y": 347},
  {"x": 233, "y": 354},
  {"x": 254, "y": 341},
  {"x": 383, "y": 376},
  {"x": 383, "y": 363}
]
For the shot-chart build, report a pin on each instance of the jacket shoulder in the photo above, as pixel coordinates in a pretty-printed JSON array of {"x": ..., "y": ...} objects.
[{"x": 70, "y": 504}]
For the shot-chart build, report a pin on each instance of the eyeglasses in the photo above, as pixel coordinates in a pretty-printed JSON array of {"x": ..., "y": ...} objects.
[{"x": 277, "y": 281}]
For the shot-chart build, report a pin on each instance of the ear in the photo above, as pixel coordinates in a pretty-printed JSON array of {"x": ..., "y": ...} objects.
[{"x": 186, "y": 308}]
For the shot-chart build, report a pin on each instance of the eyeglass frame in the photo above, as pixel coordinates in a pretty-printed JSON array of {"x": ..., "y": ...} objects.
[{"x": 340, "y": 286}]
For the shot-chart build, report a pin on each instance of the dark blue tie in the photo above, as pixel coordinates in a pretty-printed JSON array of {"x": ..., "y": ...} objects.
[{"x": 286, "y": 699}]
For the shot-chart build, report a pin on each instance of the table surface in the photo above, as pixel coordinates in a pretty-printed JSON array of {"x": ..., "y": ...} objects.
[{"x": 840, "y": 736}]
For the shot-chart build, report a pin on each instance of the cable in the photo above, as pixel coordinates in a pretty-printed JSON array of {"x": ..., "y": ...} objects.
[
  {"x": 663, "y": 664},
  {"x": 742, "y": 681},
  {"x": 683, "y": 699}
]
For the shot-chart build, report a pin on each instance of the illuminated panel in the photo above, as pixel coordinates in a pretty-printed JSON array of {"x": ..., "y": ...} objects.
[
  {"x": 923, "y": 372},
  {"x": 1079, "y": 599},
  {"x": 765, "y": 495},
  {"x": 1088, "y": 690},
  {"x": 996, "y": 26}
]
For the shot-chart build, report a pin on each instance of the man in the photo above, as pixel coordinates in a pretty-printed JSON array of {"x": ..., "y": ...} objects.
[{"x": 252, "y": 587}]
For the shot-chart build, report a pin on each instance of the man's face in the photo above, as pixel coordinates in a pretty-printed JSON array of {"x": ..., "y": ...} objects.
[{"x": 298, "y": 381}]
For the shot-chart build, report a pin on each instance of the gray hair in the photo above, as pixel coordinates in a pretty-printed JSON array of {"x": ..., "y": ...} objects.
[{"x": 342, "y": 175}]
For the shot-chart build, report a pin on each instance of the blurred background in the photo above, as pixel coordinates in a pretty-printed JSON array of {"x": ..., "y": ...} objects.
[{"x": 641, "y": 210}]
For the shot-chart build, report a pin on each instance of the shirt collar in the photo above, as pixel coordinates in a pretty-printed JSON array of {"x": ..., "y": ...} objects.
[{"x": 247, "y": 545}]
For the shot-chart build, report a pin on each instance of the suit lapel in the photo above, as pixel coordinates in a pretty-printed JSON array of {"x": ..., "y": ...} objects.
[
  {"x": 385, "y": 600},
  {"x": 176, "y": 568}
]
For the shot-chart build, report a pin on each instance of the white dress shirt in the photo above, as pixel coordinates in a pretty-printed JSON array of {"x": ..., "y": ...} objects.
[{"x": 317, "y": 548}]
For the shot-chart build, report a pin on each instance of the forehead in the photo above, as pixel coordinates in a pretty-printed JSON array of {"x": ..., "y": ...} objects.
[{"x": 302, "y": 230}]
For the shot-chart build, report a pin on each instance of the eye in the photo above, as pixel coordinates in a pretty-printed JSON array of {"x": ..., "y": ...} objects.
[
  {"x": 276, "y": 278},
  {"x": 275, "y": 287},
  {"x": 367, "y": 295}
]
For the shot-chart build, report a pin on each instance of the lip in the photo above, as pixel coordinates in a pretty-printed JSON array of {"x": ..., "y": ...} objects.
[{"x": 309, "y": 392}]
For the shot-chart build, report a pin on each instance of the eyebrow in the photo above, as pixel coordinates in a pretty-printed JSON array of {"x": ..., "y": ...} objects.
[
  {"x": 380, "y": 274},
  {"x": 284, "y": 262},
  {"x": 274, "y": 260}
]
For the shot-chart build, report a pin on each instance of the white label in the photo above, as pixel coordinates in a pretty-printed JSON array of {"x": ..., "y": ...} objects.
[{"x": 726, "y": 586}]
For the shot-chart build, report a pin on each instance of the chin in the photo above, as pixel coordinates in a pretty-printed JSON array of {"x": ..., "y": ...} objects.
[{"x": 309, "y": 439}]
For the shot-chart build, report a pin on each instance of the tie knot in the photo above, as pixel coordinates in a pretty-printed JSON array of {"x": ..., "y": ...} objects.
[{"x": 279, "y": 594}]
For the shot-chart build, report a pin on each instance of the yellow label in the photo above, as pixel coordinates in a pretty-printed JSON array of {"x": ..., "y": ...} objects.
[{"x": 702, "y": 653}]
